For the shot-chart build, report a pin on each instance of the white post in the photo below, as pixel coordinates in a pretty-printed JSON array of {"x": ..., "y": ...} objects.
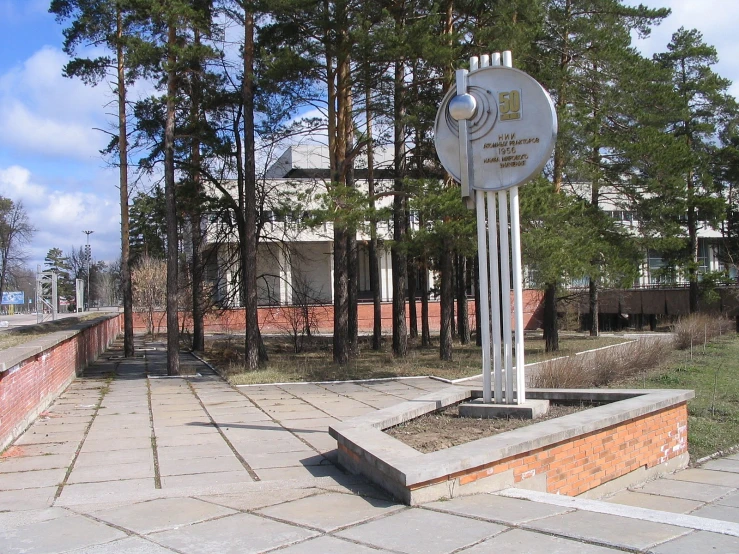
[
  {"x": 482, "y": 256},
  {"x": 518, "y": 295},
  {"x": 495, "y": 295},
  {"x": 505, "y": 294}
]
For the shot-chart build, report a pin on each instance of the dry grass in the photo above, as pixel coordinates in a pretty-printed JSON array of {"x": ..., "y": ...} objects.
[
  {"x": 226, "y": 353},
  {"x": 21, "y": 335},
  {"x": 602, "y": 367},
  {"x": 699, "y": 329}
]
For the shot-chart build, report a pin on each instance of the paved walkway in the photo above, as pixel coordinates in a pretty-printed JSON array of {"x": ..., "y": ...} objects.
[{"x": 128, "y": 461}]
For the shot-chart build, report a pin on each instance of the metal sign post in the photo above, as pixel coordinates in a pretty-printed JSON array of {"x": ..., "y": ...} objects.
[{"x": 494, "y": 132}]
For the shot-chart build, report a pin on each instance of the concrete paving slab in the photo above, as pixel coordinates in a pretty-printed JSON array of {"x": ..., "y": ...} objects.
[
  {"x": 330, "y": 545},
  {"x": 608, "y": 529},
  {"x": 17, "y": 519},
  {"x": 701, "y": 541},
  {"x": 41, "y": 449},
  {"x": 187, "y": 452},
  {"x": 717, "y": 511},
  {"x": 512, "y": 511},
  {"x": 655, "y": 502},
  {"x": 162, "y": 514},
  {"x": 519, "y": 541},
  {"x": 31, "y": 479},
  {"x": 307, "y": 472},
  {"x": 331, "y": 511},
  {"x": 265, "y": 445},
  {"x": 113, "y": 443},
  {"x": 108, "y": 491},
  {"x": 111, "y": 472},
  {"x": 57, "y": 535},
  {"x": 284, "y": 459},
  {"x": 88, "y": 459},
  {"x": 34, "y": 436},
  {"x": 727, "y": 464},
  {"x": 130, "y": 545},
  {"x": 254, "y": 500},
  {"x": 27, "y": 499},
  {"x": 206, "y": 479},
  {"x": 199, "y": 465},
  {"x": 422, "y": 531},
  {"x": 730, "y": 500},
  {"x": 685, "y": 489},
  {"x": 175, "y": 439},
  {"x": 237, "y": 534},
  {"x": 707, "y": 476},
  {"x": 32, "y": 463}
]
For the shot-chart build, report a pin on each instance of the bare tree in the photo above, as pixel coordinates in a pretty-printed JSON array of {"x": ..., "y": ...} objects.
[
  {"x": 16, "y": 231},
  {"x": 149, "y": 280}
]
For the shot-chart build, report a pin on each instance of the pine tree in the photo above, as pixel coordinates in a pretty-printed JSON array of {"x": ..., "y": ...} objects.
[
  {"x": 116, "y": 26},
  {"x": 704, "y": 105}
]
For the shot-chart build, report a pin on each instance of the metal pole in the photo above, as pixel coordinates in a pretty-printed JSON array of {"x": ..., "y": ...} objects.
[
  {"x": 518, "y": 295},
  {"x": 87, "y": 255},
  {"x": 505, "y": 295},
  {"x": 495, "y": 295},
  {"x": 482, "y": 256}
]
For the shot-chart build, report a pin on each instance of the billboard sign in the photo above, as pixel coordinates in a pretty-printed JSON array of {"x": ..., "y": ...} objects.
[{"x": 14, "y": 297}]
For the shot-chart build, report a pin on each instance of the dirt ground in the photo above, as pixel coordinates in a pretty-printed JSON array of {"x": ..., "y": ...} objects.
[{"x": 444, "y": 429}]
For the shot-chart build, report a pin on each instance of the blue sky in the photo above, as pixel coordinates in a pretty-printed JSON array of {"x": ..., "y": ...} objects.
[{"x": 49, "y": 148}]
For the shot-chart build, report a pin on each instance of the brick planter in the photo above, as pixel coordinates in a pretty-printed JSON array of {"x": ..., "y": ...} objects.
[
  {"x": 34, "y": 374},
  {"x": 633, "y": 436}
]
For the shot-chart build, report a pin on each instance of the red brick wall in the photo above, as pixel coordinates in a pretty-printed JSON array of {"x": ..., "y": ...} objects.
[
  {"x": 31, "y": 386},
  {"x": 578, "y": 465},
  {"x": 276, "y": 319}
]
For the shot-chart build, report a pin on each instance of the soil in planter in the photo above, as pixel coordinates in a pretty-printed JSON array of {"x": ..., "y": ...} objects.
[{"x": 444, "y": 429}]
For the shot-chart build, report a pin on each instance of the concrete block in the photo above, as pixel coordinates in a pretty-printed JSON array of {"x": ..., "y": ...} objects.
[{"x": 531, "y": 409}]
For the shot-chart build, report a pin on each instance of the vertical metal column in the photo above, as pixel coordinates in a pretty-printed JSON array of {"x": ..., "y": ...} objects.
[{"x": 499, "y": 254}]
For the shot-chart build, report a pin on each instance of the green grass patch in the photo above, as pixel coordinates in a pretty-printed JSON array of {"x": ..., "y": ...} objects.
[
  {"x": 713, "y": 373},
  {"x": 315, "y": 363}
]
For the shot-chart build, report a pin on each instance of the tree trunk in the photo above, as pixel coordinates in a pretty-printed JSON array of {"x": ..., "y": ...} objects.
[
  {"x": 412, "y": 287},
  {"x": 127, "y": 288},
  {"x": 551, "y": 333},
  {"x": 249, "y": 247},
  {"x": 593, "y": 303},
  {"x": 463, "y": 319},
  {"x": 341, "y": 295},
  {"x": 399, "y": 258},
  {"x": 694, "y": 291},
  {"x": 374, "y": 260},
  {"x": 173, "y": 338},
  {"x": 196, "y": 235},
  {"x": 425, "y": 329},
  {"x": 353, "y": 277},
  {"x": 447, "y": 304}
]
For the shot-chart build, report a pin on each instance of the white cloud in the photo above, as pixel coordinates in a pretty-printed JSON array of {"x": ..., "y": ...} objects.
[
  {"x": 43, "y": 112},
  {"x": 60, "y": 216},
  {"x": 715, "y": 19}
]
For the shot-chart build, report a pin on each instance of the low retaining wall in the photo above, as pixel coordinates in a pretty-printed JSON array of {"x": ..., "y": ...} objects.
[
  {"x": 35, "y": 373},
  {"x": 278, "y": 320},
  {"x": 641, "y": 433}
]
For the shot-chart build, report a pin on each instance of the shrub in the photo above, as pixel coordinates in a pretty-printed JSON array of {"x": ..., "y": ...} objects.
[
  {"x": 601, "y": 367},
  {"x": 698, "y": 329}
]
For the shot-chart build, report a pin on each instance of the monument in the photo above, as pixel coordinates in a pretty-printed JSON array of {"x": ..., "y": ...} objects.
[{"x": 495, "y": 132}]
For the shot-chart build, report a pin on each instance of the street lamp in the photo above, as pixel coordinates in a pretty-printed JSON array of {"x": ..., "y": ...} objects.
[{"x": 87, "y": 259}]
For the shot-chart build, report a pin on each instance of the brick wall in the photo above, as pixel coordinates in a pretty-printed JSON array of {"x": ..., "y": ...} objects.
[
  {"x": 29, "y": 387},
  {"x": 277, "y": 319},
  {"x": 578, "y": 465}
]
